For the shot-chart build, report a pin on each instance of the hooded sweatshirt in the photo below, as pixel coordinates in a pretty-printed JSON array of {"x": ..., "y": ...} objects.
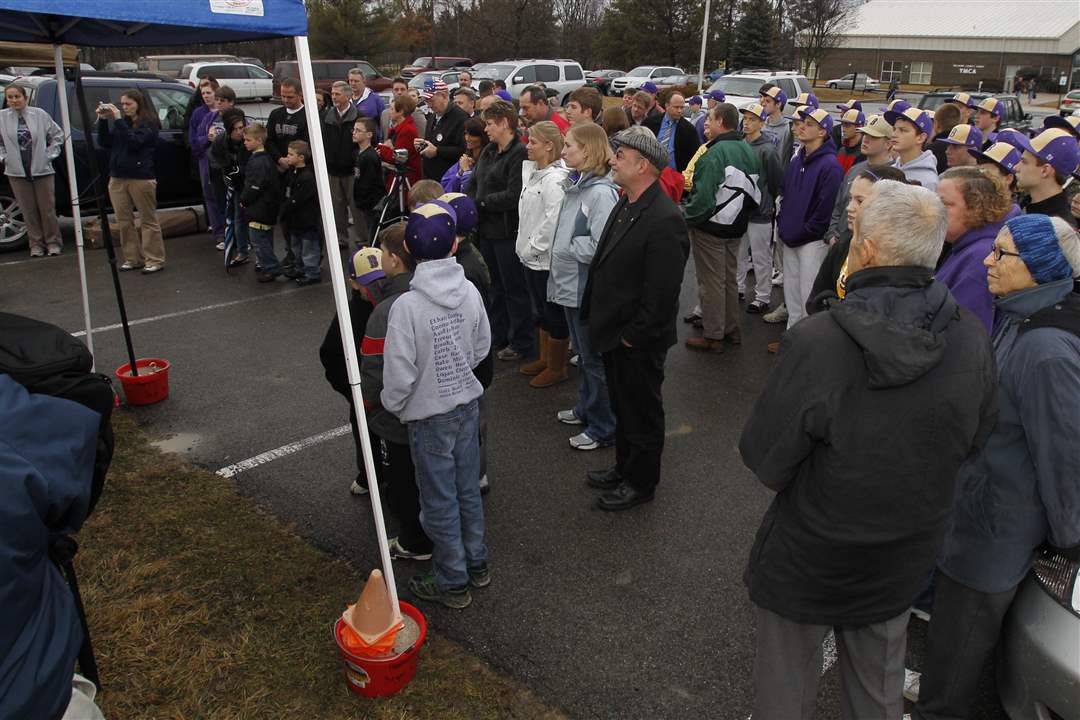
[
  {"x": 922, "y": 169},
  {"x": 436, "y": 335},
  {"x": 780, "y": 132},
  {"x": 772, "y": 174},
  {"x": 860, "y": 430},
  {"x": 964, "y": 274},
  {"x": 811, "y": 183}
]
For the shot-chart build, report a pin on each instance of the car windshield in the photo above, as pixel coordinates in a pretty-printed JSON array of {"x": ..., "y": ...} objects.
[
  {"x": 642, "y": 71},
  {"x": 421, "y": 62},
  {"x": 491, "y": 71},
  {"x": 741, "y": 86}
]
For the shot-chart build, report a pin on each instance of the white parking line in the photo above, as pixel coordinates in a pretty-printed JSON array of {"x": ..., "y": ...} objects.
[
  {"x": 280, "y": 452},
  {"x": 192, "y": 311}
]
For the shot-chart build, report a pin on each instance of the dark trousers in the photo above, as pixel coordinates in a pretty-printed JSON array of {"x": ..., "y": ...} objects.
[
  {"x": 634, "y": 379},
  {"x": 511, "y": 313},
  {"x": 403, "y": 496},
  {"x": 550, "y": 317},
  {"x": 361, "y": 471},
  {"x": 964, "y": 629}
]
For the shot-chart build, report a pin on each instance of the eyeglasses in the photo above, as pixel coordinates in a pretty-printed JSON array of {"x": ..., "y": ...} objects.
[{"x": 999, "y": 253}]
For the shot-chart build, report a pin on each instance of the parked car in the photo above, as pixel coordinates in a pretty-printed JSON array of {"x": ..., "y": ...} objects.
[
  {"x": 671, "y": 81},
  {"x": 176, "y": 184},
  {"x": 253, "y": 61},
  {"x": 424, "y": 64},
  {"x": 562, "y": 76},
  {"x": 450, "y": 77},
  {"x": 1070, "y": 103},
  {"x": 1038, "y": 661},
  {"x": 601, "y": 79},
  {"x": 121, "y": 67},
  {"x": 741, "y": 88},
  {"x": 327, "y": 72},
  {"x": 248, "y": 81},
  {"x": 172, "y": 65},
  {"x": 1014, "y": 116},
  {"x": 642, "y": 74},
  {"x": 863, "y": 82}
]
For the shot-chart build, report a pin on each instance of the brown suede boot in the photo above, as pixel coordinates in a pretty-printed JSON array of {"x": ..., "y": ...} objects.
[
  {"x": 538, "y": 365},
  {"x": 555, "y": 372}
]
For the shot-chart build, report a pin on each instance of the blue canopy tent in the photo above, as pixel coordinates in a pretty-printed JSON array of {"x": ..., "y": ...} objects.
[{"x": 115, "y": 23}]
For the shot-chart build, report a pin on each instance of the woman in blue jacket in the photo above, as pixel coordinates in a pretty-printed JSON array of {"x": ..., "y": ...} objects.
[{"x": 131, "y": 133}]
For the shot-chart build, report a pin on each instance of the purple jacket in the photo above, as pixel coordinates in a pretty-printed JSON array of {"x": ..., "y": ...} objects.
[
  {"x": 199, "y": 126},
  {"x": 452, "y": 182},
  {"x": 964, "y": 274},
  {"x": 809, "y": 192},
  {"x": 372, "y": 107}
]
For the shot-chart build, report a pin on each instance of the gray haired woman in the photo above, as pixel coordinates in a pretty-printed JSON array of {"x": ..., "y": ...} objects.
[{"x": 29, "y": 141}]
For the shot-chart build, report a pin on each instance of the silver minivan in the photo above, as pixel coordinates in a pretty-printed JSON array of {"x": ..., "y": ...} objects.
[{"x": 562, "y": 76}]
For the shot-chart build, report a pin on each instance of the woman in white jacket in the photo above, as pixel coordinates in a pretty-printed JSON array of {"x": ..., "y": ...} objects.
[
  {"x": 542, "y": 177},
  {"x": 29, "y": 141}
]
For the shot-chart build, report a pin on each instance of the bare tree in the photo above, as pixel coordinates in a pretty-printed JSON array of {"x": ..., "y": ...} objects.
[
  {"x": 820, "y": 24},
  {"x": 579, "y": 21}
]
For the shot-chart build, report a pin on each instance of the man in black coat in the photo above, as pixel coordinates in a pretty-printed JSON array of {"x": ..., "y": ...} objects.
[
  {"x": 630, "y": 303},
  {"x": 444, "y": 137},
  {"x": 860, "y": 431},
  {"x": 675, "y": 133}
]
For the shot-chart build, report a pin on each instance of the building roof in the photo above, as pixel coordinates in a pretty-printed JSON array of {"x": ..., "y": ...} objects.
[{"x": 1011, "y": 19}]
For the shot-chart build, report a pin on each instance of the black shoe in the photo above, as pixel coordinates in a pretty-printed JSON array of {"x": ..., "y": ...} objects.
[
  {"x": 757, "y": 308},
  {"x": 690, "y": 318},
  {"x": 603, "y": 479},
  {"x": 623, "y": 497},
  {"x": 305, "y": 281},
  {"x": 699, "y": 324},
  {"x": 266, "y": 277},
  {"x": 291, "y": 272}
]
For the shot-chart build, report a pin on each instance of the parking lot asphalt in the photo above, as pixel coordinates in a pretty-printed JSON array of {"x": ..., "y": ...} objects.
[{"x": 640, "y": 614}]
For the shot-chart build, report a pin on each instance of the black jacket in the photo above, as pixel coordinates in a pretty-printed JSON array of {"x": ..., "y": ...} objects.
[
  {"x": 860, "y": 430},
  {"x": 1054, "y": 206},
  {"x": 938, "y": 147},
  {"x": 368, "y": 185},
  {"x": 686, "y": 138},
  {"x": 261, "y": 196},
  {"x": 332, "y": 354},
  {"x": 282, "y": 128},
  {"x": 496, "y": 186},
  {"x": 228, "y": 158},
  {"x": 300, "y": 206},
  {"x": 448, "y": 136},
  {"x": 632, "y": 289},
  {"x": 131, "y": 148},
  {"x": 337, "y": 140},
  {"x": 823, "y": 293},
  {"x": 476, "y": 272}
]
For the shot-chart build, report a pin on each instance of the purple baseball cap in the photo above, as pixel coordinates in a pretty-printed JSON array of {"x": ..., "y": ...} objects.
[
  {"x": 1013, "y": 137},
  {"x": 717, "y": 95},
  {"x": 1055, "y": 147},
  {"x": 1069, "y": 123},
  {"x": 1004, "y": 155},
  {"x": 694, "y": 100},
  {"x": 468, "y": 217},
  {"x": 851, "y": 104},
  {"x": 854, "y": 116},
  {"x": 775, "y": 93},
  {"x": 431, "y": 231},
  {"x": 756, "y": 110},
  {"x": 804, "y": 99},
  {"x": 821, "y": 117},
  {"x": 504, "y": 95},
  {"x": 966, "y": 135},
  {"x": 649, "y": 87},
  {"x": 993, "y": 106},
  {"x": 913, "y": 115}
]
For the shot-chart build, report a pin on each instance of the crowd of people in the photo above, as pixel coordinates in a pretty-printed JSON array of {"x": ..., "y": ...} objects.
[{"x": 918, "y": 428}]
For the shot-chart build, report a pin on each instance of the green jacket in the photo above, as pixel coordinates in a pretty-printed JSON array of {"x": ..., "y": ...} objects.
[{"x": 725, "y": 191}]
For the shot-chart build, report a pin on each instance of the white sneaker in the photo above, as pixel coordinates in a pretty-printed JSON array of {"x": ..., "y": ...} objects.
[
  {"x": 583, "y": 441},
  {"x": 398, "y": 552},
  {"x": 911, "y": 685},
  {"x": 777, "y": 277},
  {"x": 220, "y": 245},
  {"x": 485, "y": 484},
  {"x": 568, "y": 417},
  {"x": 574, "y": 360},
  {"x": 357, "y": 489},
  {"x": 779, "y": 315}
]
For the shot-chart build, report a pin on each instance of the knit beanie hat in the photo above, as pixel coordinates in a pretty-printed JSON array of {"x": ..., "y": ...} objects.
[{"x": 1039, "y": 248}]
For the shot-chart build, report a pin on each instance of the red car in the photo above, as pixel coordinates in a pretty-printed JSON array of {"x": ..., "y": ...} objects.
[{"x": 426, "y": 64}]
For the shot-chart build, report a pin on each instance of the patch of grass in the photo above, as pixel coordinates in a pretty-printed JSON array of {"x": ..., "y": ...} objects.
[{"x": 202, "y": 606}]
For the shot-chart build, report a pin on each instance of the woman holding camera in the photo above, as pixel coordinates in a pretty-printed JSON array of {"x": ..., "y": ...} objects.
[
  {"x": 131, "y": 133},
  {"x": 29, "y": 142},
  {"x": 403, "y": 132}
]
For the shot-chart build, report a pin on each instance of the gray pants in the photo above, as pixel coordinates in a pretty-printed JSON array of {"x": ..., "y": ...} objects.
[
  {"x": 964, "y": 629},
  {"x": 37, "y": 201},
  {"x": 341, "y": 189},
  {"x": 787, "y": 668}
]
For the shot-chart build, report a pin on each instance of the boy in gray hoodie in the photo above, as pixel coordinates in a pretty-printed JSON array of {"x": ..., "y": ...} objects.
[{"x": 437, "y": 333}]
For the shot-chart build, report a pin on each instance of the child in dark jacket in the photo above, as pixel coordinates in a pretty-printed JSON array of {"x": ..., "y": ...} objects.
[
  {"x": 260, "y": 199},
  {"x": 368, "y": 186},
  {"x": 228, "y": 157},
  {"x": 300, "y": 214}
]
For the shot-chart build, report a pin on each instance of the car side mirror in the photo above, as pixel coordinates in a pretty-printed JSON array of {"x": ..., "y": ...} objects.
[{"x": 518, "y": 79}]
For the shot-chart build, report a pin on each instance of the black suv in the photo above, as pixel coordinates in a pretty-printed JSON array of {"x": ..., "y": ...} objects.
[
  {"x": 177, "y": 184},
  {"x": 1014, "y": 116}
]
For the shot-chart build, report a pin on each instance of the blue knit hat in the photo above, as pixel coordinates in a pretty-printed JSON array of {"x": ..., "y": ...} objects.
[
  {"x": 1039, "y": 248},
  {"x": 431, "y": 231}
]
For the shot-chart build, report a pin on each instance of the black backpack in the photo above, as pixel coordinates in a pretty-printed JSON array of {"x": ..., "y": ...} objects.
[{"x": 49, "y": 361}]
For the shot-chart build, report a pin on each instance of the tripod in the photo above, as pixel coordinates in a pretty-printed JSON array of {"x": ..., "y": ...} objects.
[{"x": 401, "y": 186}]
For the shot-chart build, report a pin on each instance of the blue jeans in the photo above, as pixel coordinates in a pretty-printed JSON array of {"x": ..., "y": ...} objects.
[
  {"x": 511, "y": 312},
  {"x": 593, "y": 405},
  {"x": 263, "y": 240},
  {"x": 446, "y": 452},
  {"x": 307, "y": 245}
]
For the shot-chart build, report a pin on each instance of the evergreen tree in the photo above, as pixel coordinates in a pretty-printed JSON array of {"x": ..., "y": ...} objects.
[{"x": 753, "y": 46}]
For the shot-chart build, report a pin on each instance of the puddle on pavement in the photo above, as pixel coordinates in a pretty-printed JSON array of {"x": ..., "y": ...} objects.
[{"x": 180, "y": 443}]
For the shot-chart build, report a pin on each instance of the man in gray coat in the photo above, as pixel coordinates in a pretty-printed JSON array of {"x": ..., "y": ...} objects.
[{"x": 1020, "y": 491}]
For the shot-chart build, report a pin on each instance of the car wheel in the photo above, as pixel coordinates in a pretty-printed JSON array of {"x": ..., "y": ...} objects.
[
  {"x": 832, "y": 86},
  {"x": 12, "y": 225}
]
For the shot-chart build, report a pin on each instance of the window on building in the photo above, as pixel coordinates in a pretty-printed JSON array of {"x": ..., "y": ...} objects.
[
  {"x": 811, "y": 73},
  {"x": 920, "y": 73},
  {"x": 891, "y": 70}
]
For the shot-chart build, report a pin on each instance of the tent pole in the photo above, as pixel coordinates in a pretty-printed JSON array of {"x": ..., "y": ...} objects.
[
  {"x": 704, "y": 41},
  {"x": 106, "y": 234},
  {"x": 73, "y": 190},
  {"x": 341, "y": 301}
]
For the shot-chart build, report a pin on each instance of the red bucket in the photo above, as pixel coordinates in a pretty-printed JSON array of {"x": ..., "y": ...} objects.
[
  {"x": 151, "y": 385},
  {"x": 382, "y": 676}
]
